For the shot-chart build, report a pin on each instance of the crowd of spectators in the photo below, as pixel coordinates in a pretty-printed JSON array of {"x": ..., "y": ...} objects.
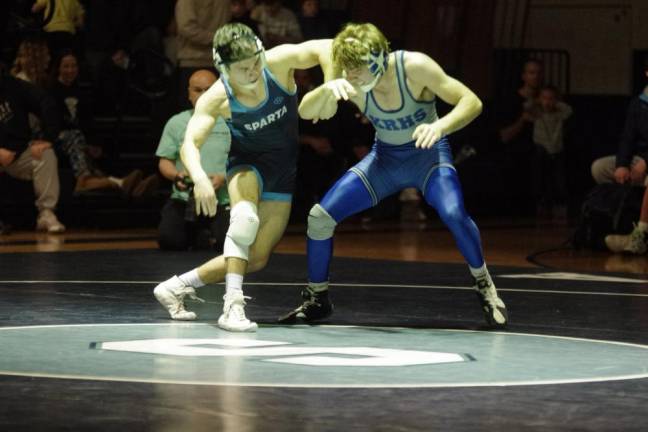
[{"x": 74, "y": 60}]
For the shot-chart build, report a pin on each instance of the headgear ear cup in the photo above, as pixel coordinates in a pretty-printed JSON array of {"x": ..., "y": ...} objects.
[{"x": 222, "y": 54}]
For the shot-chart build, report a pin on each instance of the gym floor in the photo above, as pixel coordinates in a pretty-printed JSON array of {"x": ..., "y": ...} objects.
[{"x": 85, "y": 346}]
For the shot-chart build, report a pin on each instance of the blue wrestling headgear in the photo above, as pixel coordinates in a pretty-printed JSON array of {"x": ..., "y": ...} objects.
[{"x": 376, "y": 62}]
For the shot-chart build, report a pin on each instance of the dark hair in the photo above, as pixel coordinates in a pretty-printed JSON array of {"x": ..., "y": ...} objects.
[
  {"x": 539, "y": 62},
  {"x": 234, "y": 42},
  {"x": 644, "y": 62},
  {"x": 56, "y": 64}
]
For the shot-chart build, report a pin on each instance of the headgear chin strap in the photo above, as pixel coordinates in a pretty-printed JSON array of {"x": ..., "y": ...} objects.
[{"x": 223, "y": 56}]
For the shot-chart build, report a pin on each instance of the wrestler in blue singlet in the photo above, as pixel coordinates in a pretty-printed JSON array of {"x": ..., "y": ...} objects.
[
  {"x": 393, "y": 164},
  {"x": 265, "y": 139}
]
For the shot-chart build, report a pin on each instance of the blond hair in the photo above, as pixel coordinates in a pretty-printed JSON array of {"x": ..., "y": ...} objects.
[
  {"x": 353, "y": 44},
  {"x": 32, "y": 60}
]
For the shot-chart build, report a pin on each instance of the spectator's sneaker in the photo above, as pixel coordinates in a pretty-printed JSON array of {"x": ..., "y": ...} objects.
[
  {"x": 171, "y": 294},
  {"x": 146, "y": 187},
  {"x": 316, "y": 306},
  {"x": 233, "y": 318},
  {"x": 131, "y": 181},
  {"x": 47, "y": 221},
  {"x": 493, "y": 306},
  {"x": 617, "y": 242},
  {"x": 635, "y": 243}
]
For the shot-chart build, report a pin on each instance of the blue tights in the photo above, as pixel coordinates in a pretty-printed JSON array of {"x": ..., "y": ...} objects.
[{"x": 350, "y": 196}]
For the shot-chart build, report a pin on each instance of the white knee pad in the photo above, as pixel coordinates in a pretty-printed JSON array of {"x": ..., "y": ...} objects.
[
  {"x": 320, "y": 224},
  {"x": 243, "y": 228}
]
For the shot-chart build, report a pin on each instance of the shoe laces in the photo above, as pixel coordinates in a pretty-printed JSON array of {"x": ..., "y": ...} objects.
[
  {"x": 485, "y": 288},
  {"x": 189, "y": 292},
  {"x": 310, "y": 299},
  {"x": 234, "y": 305}
]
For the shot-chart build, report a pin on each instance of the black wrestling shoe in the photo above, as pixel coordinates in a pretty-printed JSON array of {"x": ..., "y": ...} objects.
[
  {"x": 493, "y": 306},
  {"x": 316, "y": 306}
]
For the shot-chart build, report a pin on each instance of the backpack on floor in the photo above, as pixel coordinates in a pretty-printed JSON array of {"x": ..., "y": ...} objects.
[{"x": 607, "y": 209}]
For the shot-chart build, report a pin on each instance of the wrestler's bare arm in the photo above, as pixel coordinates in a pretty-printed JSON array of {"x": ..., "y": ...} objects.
[
  {"x": 212, "y": 104},
  {"x": 426, "y": 73},
  {"x": 284, "y": 59}
]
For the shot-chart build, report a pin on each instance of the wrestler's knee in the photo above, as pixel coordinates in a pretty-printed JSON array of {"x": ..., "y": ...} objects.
[{"x": 321, "y": 224}]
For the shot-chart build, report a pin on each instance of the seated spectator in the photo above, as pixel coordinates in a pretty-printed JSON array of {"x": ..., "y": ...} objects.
[
  {"x": 242, "y": 14},
  {"x": 277, "y": 24},
  {"x": 180, "y": 228},
  {"x": 26, "y": 158},
  {"x": 66, "y": 18},
  {"x": 549, "y": 164},
  {"x": 71, "y": 139},
  {"x": 631, "y": 169},
  {"x": 629, "y": 164},
  {"x": 32, "y": 62},
  {"x": 313, "y": 25}
]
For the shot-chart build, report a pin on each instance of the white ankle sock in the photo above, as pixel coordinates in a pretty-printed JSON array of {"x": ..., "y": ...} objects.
[
  {"x": 191, "y": 279},
  {"x": 233, "y": 283},
  {"x": 119, "y": 182},
  {"x": 642, "y": 226},
  {"x": 479, "y": 273},
  {"x": 318, "y": 287}
]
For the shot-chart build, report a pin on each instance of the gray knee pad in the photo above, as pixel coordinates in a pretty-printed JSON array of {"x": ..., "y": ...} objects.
[{"x": 320, "y": 224}]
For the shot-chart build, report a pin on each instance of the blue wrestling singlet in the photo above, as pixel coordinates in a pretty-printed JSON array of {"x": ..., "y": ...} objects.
[
  {"x": 393, "y": 164},
  {"x": 265, "y": 139}
]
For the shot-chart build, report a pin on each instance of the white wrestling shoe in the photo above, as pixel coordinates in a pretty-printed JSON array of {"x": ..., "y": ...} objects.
[
  {"x": 171, "y": 294},
  {"x": 233, "y": 318}
]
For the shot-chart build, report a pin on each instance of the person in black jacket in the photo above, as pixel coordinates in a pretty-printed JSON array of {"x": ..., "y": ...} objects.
[
  {"x": 26, "y": 158},
  {"x": 629, "y": 164}
]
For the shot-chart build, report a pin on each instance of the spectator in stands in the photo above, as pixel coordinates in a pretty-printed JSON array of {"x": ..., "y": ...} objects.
[
  {"x": 630, "y": 169},
  {"x": 66, "y": 18},
  {"x": 515, "y": 125},
  {"x": 32, "y": 62},
  {"x": 72, "y": 139},
  {"x": 277, "y": 24},
  {"x": 313, "y": 25},
  {"x": 241, "y": 13},
  {"x": 197, "y": 21},
  {"x": 629, "y": 164},
  {"x": 26, "y": 158},
  {"x": 549, "y": 162},
  {"x": 180, "y": 228},
  {"x": 118, "y": 35}
]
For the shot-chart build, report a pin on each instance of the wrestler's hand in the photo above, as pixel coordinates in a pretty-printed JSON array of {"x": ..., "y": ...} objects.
[
  {"x": 340, "y": 89},
  {"x": 205, "y": 196},
  {"x": 427, "y": 134}
]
